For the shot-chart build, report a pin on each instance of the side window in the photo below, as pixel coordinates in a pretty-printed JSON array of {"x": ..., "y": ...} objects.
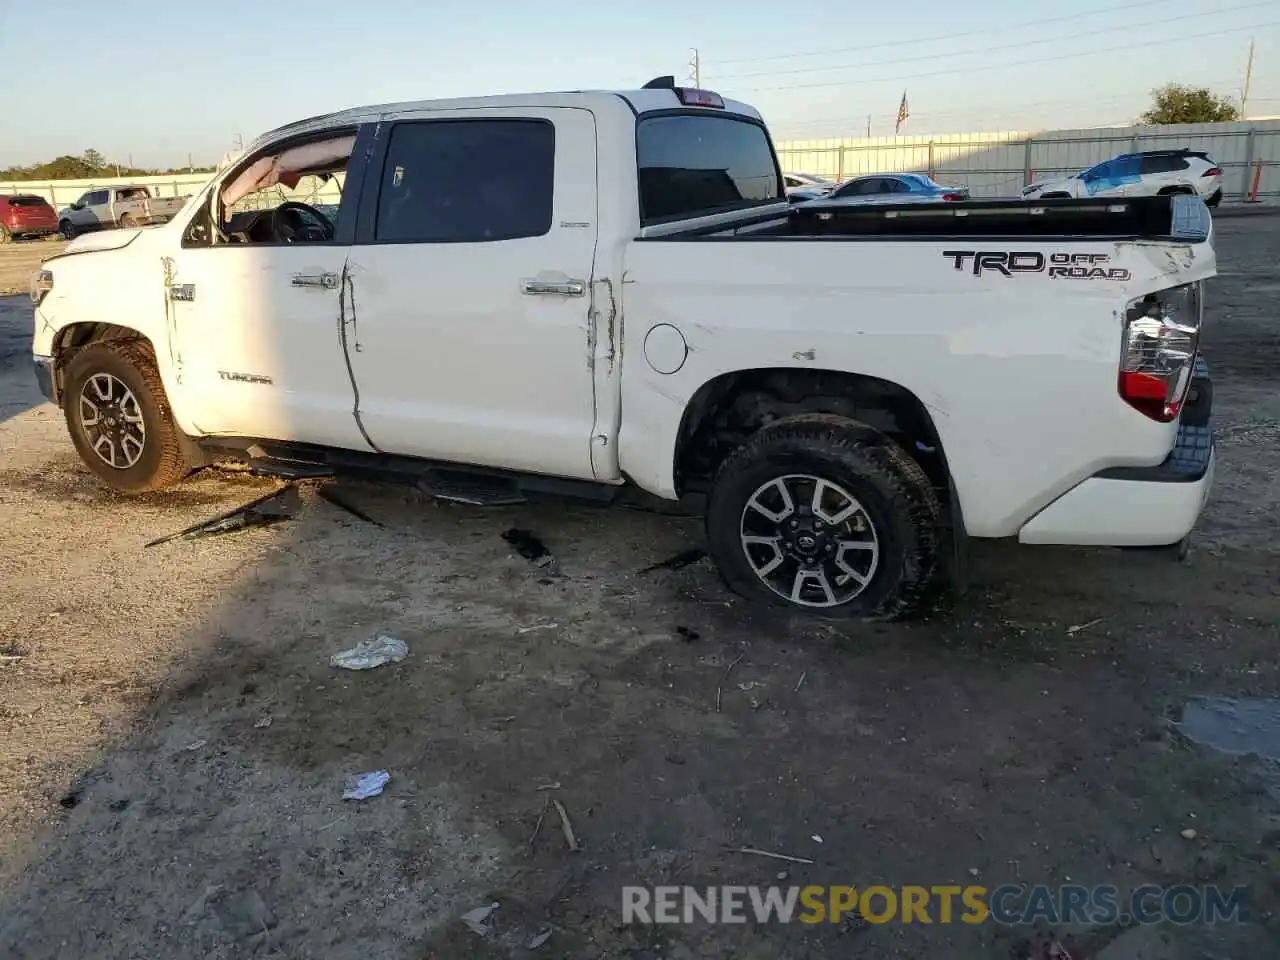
[
  {"x": 97, "y": 198},
  {"x": 869, "y": 186},
  {"x": 467, "y": 181},
  {"x": 793, "y": 182},
  {"x": 1167, "y": 163}
]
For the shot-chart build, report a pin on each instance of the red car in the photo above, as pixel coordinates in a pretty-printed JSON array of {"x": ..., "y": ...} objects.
[{"x": 26, "y": 215}]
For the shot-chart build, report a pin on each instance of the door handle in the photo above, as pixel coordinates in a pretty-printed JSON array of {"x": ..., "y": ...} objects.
[
  {"x": 562, "y": 288},
  {"x": 329, "y": 281}
]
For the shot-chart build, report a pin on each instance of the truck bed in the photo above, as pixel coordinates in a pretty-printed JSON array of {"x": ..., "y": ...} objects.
[{"x": 1183, "y": 219}]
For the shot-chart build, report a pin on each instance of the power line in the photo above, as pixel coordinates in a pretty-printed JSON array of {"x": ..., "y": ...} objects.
[
  {"x": 950, "y": 36},
  {"x": 1002, "y": 66},
  {"x": 1007, "y": 46},
  {"x": 1082, "y": 96}
]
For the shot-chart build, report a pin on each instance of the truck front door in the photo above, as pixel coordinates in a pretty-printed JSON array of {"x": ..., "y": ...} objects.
[
  {"x": 256, "y": 322},
  {"x": 470, "y": 321}
]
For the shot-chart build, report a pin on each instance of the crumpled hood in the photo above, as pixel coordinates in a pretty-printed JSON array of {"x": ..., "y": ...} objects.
[{"x": 100, "y": 240}]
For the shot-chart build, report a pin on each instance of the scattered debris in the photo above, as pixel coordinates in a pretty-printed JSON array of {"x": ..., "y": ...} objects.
[
  {"x": 671, "y": 758},
  {"x": 773, "y": 856},
  {"x": 194, "y": 746},
  {"x": 548, "y": 786},
  {"x": 566, "y": 826},
  {"x": 800, "y": 682},
  {"x": 537, "y": 828},
  {"x": 365, "y": 785},
  {"x": 367, "y": 654},
  {"x": 688, "y": 635},
  {"x": 527, "y": 544},
  {"x": 782, "y": 874},
  {"x": 719, "y": 689},
  {"x": 263, "y": 511},
  {"x": 816, "y": 838},
  {"x": 477, "y": 920},
  {"x": 331, "y": 496},
  {"x": 1058, "y": 952},
  {"x": 973, "y": 871},
  {"x": 1190, "y": 833},
  {"x": 71, "y": 798},
  {"x": 678, "y": 561},
  {"x": 539, "y": 626},
  {"x": 539, "y": 939},
  {"x": 10, "y": 657},
  {"x": 1072, "y": 631},
  {"x": 263, "y": 723},
  {"x": 332, "y": 823}
]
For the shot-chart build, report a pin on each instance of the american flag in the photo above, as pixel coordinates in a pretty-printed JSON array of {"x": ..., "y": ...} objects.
[{"x": 903, "y": 113}]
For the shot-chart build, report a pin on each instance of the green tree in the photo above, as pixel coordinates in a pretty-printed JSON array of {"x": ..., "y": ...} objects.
[
  {"x": 1177, "y": 103},
  {"x": 94, "y": 159}
]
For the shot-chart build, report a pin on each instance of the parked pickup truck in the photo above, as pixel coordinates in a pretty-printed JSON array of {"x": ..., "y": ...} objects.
[
  {"x": 108, "y": 207},
  {"x": 591, "y": 292}
]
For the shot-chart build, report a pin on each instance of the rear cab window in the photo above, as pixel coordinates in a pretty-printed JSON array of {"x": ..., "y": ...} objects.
[{"x": 699, "y": 164}]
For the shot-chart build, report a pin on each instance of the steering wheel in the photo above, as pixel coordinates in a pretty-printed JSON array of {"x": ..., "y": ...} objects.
[{"x": 289, "y": 223}]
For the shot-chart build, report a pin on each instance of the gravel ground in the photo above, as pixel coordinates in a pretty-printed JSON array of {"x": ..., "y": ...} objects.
[{"x": 173, "y": 741}]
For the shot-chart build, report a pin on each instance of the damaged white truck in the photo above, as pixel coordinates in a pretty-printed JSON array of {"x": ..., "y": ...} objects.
[{"x": 591, "y": 292}]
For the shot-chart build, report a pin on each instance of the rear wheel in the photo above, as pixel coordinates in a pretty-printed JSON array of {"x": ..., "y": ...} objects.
[
  {"x": 67, "y": 230},
  {"x": 1214, "y": 200},
  {"x": 119, "y": 418},
  {"x": 825, "y": 515},
  {"x": 128, "y": 222},
  {"x": 5, "y": 235}
]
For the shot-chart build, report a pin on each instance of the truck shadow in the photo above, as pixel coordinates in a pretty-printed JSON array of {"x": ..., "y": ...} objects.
[{"x": 203, "y": 809}]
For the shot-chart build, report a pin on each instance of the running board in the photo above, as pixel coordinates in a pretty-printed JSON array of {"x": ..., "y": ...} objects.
[{"x": 458, "y": 483}]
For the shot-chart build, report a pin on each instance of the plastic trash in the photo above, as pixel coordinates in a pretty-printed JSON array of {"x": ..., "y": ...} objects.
[
  {"x": 477, "y": 919},
  {"x": 366, "y": 785},
  {"x": 368, "y": 654}
]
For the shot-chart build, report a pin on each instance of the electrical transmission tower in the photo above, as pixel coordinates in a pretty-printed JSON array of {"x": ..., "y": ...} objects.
[{"x": 695, "y": 68}]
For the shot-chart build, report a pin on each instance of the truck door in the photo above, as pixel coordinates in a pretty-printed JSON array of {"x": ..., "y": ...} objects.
[
  {"x": 257, "y": 323},
  {"x": 470, "y": 288}
]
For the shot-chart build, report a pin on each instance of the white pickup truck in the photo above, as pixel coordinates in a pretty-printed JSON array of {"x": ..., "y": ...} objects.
[
  {"x": 106, "y": 208},
  {"x": 589, "y": 291}
]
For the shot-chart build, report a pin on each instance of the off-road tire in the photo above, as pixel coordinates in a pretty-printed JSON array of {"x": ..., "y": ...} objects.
[
  {"x": 894, "y": 491},
  {"x": 127, "y": 222},
  {"x": 132, "y": 362}
]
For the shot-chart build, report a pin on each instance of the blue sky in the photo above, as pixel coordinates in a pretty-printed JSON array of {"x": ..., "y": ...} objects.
[{"x": 157, "y": 83}]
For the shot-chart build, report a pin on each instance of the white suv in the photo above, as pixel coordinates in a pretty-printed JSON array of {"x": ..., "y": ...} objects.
[{"x": 1146, "y": 174}]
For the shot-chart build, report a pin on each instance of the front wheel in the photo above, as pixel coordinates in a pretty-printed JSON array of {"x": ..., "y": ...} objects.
[
  {"x": 119, "y": 419},
  {"x": 67, "y": 230},
  {"x": 824, "y": 515}
]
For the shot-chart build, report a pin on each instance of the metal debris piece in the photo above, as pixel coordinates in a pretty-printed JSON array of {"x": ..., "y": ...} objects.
[
  {"x": 367, "y": 654},
  {"x": 529, "y": 546},
  {"x": 365, "y": 785},
  {"x": 800, "y": 682},
  {"x": 1072, "y": 631},
  {"x": 684, "y": 558},
  {"x": 193, "y": 747},
  {"x": 548, "y": 786},
  {"x": 539, "y": 939},
  {"x": 477, "y": 920},
  {"x": 330, "y": 496},
  {"x": 256, "y": 513},
  {"x": 263, "y": 723},
  {"x": 567, "y": 827},
  {"x": 539, "y": 626},
  {"x": 772, "y": 856},
  {"x": 1190, "y": 833}
]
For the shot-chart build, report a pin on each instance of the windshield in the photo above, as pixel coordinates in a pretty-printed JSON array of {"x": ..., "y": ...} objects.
[{"x": 692, "y": 165}]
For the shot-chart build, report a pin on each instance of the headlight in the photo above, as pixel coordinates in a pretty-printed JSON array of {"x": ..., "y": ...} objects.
[{"x": 41, "y": 284}]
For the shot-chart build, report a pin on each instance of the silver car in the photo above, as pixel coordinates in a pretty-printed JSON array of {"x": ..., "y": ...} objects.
[{"x": 893, "y": 188}]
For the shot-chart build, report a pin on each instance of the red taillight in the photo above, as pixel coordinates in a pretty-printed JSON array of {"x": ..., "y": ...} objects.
[
  {"x": 1161, "y": 336},
  {"x": 1213, "y": 172},
  {"x": 952, "y": 197}
]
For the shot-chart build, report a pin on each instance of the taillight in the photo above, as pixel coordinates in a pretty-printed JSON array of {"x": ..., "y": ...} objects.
[
  {"x": 1161, "y": 336},
  {"x": 1212, "y": 172},
  {"x": 952, "y": 197}
]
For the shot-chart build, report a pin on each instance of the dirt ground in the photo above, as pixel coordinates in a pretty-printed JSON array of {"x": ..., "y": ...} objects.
[
  {"x": 19, "y": 259},
  {"x": 174, "y": 742}
]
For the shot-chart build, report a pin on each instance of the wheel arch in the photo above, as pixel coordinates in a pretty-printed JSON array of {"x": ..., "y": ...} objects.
[
  {"x": 74, "y": 337},
  {"x": 730, "y": 407}
]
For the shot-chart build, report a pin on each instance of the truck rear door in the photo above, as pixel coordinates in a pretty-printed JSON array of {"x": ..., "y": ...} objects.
[{"x": 469, "y": 288}]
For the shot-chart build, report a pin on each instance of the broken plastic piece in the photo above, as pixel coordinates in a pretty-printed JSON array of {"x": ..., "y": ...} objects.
[
  {"x": 255, "y": 513},
  {"x": 678, "y": 561},
  {"x": 532, "y": 549},
  {"x": 477, "y": 920},
  {"x": 366, "y": 785},
  {"x": 371, "y": 653}
]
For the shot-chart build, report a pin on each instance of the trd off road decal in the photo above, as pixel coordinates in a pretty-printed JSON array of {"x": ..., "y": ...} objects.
[{"x": 1064, "y": 266}]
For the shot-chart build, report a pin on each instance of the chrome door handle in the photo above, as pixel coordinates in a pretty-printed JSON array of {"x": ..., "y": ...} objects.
[
  {"x": 563, "y": 288},
  {"x": 328, "y": 281}
]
